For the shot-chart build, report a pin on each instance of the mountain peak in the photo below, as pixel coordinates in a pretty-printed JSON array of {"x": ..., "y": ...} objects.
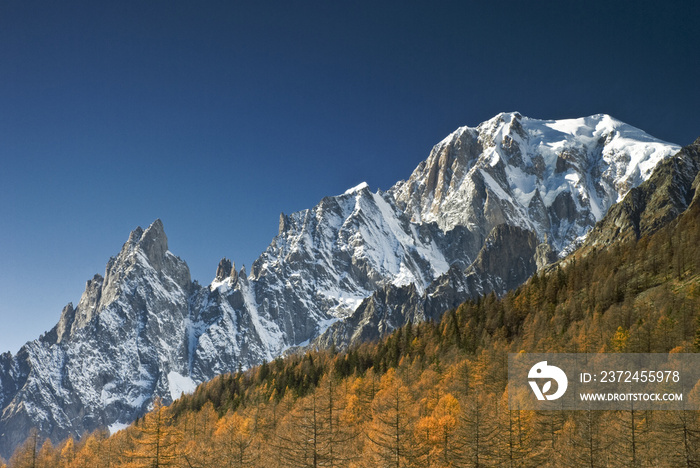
[
  {"x": 155, "y": 231},
  {"x": 501, "y": 120},
  {"x": 507, "y": 117},
  {"x": 226, "y": 269},
  {"x": 357, "y": 188},
  {"x": 152, "y": 242},
  {"x": 553, "y": 177}
]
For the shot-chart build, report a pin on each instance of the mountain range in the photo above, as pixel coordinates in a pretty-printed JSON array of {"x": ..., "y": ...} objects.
[{"x": 487, "y": 208}]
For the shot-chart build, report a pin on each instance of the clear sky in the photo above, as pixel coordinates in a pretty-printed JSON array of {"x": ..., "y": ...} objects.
[{"x": 217, "y": 116}]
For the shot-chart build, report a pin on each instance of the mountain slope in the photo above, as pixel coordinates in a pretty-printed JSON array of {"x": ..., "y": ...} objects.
[
  {"x": 489, "y": 205},
  {"x": 647, "y": 208},
  {"x": 510, "y": 255},
  {"x": 449, "y": 376}
]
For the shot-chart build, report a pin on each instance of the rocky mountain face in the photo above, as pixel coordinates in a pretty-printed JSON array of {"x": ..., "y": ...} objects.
[
  {"x": 488, "y": 207},
  {"x": 650, "y": 206},
  {"x": 126, "y": 341},
  {"x": 524, "y": 192},
  {"x": 555, "y": 178}
]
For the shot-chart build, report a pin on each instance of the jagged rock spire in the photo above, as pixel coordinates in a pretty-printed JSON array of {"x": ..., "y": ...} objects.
[
  {"x": 152, "y": 241},
  {"x": 284, "y": 223},
  {"x": 224, "y": 269}
]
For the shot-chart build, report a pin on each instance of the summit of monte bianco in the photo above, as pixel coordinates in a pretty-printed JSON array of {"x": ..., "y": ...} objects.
[{"x": 488, "y": 207}]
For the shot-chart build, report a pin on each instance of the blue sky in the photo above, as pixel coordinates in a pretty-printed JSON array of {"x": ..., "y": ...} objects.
[{"x": 217, "y": 116}]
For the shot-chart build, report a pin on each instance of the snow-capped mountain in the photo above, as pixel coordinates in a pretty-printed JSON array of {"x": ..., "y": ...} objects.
[
  {"x": 126, "y": 341},
  {"x": 487, "y": 207},
  {"x": 553, "y": 177}
]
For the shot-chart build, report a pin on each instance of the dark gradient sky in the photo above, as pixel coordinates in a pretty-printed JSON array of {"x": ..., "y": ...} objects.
[{"x": 217, "y": 116}]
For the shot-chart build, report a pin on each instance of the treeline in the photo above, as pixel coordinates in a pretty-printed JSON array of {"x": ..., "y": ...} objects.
[{"x": 435, "y": 394}]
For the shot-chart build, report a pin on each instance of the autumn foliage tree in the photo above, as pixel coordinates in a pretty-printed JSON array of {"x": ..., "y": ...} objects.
[
  {"x": 156, "y": 439},
  {"x": 391, "y": 429}
]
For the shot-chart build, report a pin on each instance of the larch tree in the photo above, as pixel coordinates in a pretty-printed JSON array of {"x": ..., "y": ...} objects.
[
  {"x": 299, "y": 435},
  {"x": 363, "y": 389},
  {"x": 156, "y": 439},
  {"x": 233, "y": 440},
  {"x": 197, "y": 430},
  {"x": 588, "y": 443},
  {"x": 337, "y": 434},
  {"x": 26, "y": 455},
  {"x": 67, "y": 453},
  {"x": 631, "y": 433},
  {"x": 391, "y": 428},
  {"x": 547, "y": 439},
  {"x": 512, "y": 444},
  {"x": 94, "y": 452},
  {"x": 437, "y": 434},
  {"x": 478, "y": 429},
  {"x": 680, "y": 437},
  {"x": 48, "y": 456}
]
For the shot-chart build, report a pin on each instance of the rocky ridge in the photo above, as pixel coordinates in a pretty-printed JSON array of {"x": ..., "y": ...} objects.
[{"x": 650, "y": 206}]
